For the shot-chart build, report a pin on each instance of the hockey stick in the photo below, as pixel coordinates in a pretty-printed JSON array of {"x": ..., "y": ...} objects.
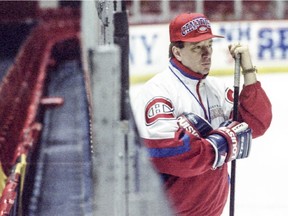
[{"x": 235, "y": 118}]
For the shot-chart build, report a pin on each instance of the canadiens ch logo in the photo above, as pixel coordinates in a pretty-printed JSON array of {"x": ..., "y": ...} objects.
[
  {"x": 200, "y": 24},
  {"x": 229, "y": 96},
  {"x": 158, "y": 108}
]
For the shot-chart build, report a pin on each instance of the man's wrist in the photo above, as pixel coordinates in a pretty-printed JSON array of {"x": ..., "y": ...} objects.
[
  {"x": 250, "y": 78},
  {"x": 249, "y": 70}
]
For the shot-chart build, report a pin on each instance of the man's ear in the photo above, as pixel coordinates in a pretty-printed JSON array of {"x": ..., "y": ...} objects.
[{"x": 176, "y": 52}]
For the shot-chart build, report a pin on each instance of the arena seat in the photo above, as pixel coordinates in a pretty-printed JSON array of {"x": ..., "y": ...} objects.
[{"x": 21, "y": 92}]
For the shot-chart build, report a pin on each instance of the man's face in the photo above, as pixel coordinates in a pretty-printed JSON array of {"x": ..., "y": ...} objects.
[{"x": 196, "y": 56}]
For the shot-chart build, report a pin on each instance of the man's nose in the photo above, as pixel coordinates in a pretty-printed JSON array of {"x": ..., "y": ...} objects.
[{"x": 206, "y": 50}]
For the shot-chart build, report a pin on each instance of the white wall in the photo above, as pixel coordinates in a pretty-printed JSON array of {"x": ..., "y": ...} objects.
[{"x": 268, "y": 42}]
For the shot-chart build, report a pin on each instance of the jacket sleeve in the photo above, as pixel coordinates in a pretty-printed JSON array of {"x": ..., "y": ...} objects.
[
  {"x": 255, "y": 108},
  {"x": 172, "y": 150},
  {"x": 185, "y": 155}
]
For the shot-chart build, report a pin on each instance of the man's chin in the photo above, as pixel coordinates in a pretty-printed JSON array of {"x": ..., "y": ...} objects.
[{"x": 205, "y": 71}]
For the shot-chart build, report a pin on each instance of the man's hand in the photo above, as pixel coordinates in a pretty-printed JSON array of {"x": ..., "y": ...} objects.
[
  {"x": 230, "y": 141},
  {"x": 243, "y": 50},
  {"x": 245, "y": 61}
]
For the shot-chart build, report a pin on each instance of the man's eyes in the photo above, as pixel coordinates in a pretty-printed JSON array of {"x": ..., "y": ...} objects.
[{"x": 197, "y": 48}]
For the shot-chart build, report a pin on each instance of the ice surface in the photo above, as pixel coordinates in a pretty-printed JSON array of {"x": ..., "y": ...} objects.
[{"x": 261, "y": 179}]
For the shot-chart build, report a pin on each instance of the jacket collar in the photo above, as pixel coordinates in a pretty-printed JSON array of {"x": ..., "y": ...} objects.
[{"x": 186, "y": 71}]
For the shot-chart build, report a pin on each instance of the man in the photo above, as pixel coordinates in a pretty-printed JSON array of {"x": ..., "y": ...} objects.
[{"x": 184, "y": 118}]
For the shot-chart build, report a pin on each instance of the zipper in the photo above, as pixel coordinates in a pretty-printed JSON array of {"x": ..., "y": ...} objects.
[{"x": 200, "y": 101}]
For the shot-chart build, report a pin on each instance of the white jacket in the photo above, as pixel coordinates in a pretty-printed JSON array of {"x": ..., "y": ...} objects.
[{"x": 171, "y": 93}]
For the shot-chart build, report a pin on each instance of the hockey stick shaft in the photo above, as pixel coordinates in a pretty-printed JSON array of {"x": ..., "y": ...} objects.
[
  {"x": 235, "y": 118},
  {"x": 236, "y": 87}
]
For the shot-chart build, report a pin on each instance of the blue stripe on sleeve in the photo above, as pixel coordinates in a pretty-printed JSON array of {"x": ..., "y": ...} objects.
[{"x": 172, "y": 151}]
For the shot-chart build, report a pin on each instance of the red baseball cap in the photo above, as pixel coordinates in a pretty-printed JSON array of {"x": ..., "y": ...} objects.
[{"x": 190, "y": 27}]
